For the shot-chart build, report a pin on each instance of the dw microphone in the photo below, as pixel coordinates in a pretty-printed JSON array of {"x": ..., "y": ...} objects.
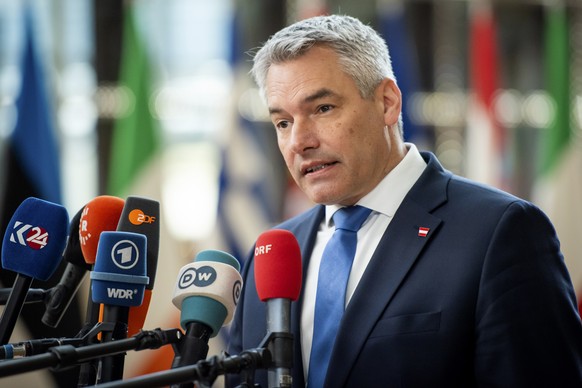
[{"x": 206, "y": 293}]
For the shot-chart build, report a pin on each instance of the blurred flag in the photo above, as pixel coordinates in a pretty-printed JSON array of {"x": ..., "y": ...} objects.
[
  {"x": 485, "y": 137},
  {"x": 136, "y": 135},
  {"x": 559, "y": 186},
  {"x": 394, "y": 29},
  {"x": 135, "y": 168},
  {"x": 32, "y": 168}
]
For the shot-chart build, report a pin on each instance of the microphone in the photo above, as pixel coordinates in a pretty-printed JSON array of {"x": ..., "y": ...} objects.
[
  {"x": 142, "y": 215},
  {"x": 206, "y": 293},
  {"x": 118, "y": 282},
  {"x": 100, "y": 214},
  {"x": 32, "y": 247},
  {"x": 60, "y": 296},
  {"x": 278, "y": 282}
]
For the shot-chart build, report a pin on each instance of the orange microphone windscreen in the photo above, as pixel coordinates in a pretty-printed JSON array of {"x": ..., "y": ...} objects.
[{"x": 100, "y": 214}]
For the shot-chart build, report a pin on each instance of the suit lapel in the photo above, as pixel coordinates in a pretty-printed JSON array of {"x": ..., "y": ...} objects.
[
  {"x": 394, "y": 257},
  {"x": 305, "y": 231}
]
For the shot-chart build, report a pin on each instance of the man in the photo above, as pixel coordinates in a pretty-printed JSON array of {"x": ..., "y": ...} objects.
[{"x": 453, "y": 284}]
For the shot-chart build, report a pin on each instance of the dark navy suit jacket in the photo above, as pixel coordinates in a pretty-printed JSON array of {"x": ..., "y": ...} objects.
[{"x": 484, "y": 299}]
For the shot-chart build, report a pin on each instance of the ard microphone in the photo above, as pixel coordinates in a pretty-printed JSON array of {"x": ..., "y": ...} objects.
[
  {"x": 118, "y": 281},
  {"x": 206, "y": 293},
  {"x": 32, "y": 247},
  {"x": 278, "y": 282},
  {"x": 142, "y": 215},
  {"x": 61, "y": 295},
  {"x": 100, "y": 214}
]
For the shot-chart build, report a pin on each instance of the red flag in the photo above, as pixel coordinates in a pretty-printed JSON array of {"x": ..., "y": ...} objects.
[{"x": 485, "y": 136}]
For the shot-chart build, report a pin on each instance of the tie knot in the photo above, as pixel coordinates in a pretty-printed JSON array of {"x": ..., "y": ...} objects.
[{"x": 351, "y": 217}]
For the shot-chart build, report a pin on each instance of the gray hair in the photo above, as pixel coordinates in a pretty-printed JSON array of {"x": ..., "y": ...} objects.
[{"x": 363, "y": 53}]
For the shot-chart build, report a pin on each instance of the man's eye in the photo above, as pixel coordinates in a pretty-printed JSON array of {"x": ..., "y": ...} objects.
[
  {"x": 325, "y": 108},
  {"x": 282, "y": 124}
]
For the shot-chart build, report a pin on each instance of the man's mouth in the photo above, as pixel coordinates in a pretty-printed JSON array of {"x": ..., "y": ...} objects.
[{"x": 318, "y": 167}]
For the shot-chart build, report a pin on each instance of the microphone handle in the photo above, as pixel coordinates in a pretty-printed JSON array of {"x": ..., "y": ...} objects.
[
  {"x": 193, "y": 347},
  {"x": 13, "y": 307},
  {"x": 112, "y": 367},
  {"x": 281, "y": 343},
  {"x": 63, "y": 294},
  {"x": 88, "y": 370}
]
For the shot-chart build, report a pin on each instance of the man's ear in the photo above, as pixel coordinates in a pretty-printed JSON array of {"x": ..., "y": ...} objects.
[{"x": 392, "y": 99}]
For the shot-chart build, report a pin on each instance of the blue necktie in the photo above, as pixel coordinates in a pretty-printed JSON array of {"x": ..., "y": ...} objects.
[{"x": 334, "y": 271}]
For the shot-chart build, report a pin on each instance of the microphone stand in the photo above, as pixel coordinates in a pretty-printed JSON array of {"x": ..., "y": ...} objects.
[
  {"x": 13, "y": 307},
  {"x": 204, "y": 371},
  {"x": 34, "y": 295},
  {"x": 88, "y": 370},
  {"x": 65, "y": 356}
]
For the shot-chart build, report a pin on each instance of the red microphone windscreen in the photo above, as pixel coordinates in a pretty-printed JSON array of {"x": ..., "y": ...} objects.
[
  {"x": 100, "y": 214},
  {"x": 278, "y": 265}
]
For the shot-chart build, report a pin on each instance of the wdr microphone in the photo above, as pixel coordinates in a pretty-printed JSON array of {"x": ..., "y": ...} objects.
[
  {"x": 142, "y": 215},
  {"x": 32, "y": 247},
  {"x": 60, "y": 296},
  {"x": 119, "y": 276},
  {"x": 118, "y": 281},
  {"x": 278, "y": 281},
  {"x": 100, "y": 214},
  {"x": 206, "y": 293}
]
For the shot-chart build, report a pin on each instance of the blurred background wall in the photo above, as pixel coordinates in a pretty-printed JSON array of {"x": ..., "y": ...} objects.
[{"x": 153, "y": 98}]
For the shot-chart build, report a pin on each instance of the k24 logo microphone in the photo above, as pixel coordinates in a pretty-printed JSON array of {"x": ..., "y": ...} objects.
[{"x": 34, "y": 237}]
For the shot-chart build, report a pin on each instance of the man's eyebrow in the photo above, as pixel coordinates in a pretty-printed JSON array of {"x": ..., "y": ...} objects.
[{"x": 321, "y": 93}]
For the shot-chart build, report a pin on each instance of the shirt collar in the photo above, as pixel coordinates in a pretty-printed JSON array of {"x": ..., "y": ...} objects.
[{"x": 387, "y": 196}]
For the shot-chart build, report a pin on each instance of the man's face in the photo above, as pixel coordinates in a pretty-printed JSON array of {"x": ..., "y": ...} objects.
[{"x": 334, "y": 142}]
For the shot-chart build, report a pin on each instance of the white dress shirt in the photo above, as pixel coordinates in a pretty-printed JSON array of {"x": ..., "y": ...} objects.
[{"x": 384, "y": 200}]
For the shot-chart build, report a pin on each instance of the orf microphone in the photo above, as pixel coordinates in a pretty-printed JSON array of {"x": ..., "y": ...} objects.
[
  {"x": 207, "y": 293},
  {"x": 278, "y": 282},
  {"x": 32, "y": 247},
  {"x": 61, "y": 295}
]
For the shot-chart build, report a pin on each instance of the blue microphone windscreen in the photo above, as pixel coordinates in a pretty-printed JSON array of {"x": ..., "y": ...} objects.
[
  {"x": 35, "y": 238},
  {"x": 119, "y": 275}
]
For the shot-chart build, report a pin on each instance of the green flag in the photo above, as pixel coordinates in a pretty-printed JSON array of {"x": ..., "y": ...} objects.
[
  {"x": 557, "y": 78},
  {"x": 136, "y": 134},
  {"x": 559, "y": 186}
]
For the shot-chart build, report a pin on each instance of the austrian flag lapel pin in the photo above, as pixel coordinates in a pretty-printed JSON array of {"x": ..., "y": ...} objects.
[{"x": 422, "y": 231}]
